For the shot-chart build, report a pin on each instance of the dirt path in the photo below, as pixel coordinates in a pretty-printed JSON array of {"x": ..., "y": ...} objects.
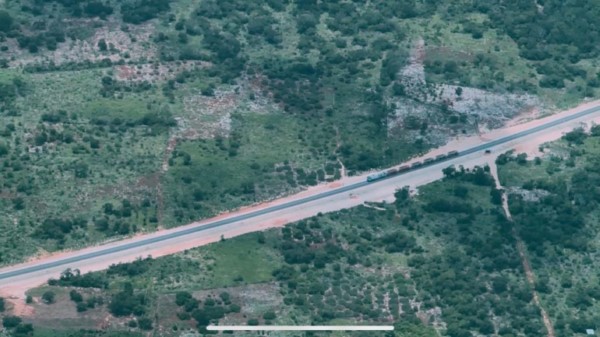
[
  {"x": 522, "y": 253},
  {"x": 171, "y": 145},
  {"x": 338, "y": 144}
]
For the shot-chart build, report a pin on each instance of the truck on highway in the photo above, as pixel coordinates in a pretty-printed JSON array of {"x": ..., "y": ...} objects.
[
  {"x": 376, "y": 176},
  {"x": 392, "y": 171},
  {"x": 403, "y": 168}
]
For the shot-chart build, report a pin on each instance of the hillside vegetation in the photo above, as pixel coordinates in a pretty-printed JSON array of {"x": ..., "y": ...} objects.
[
  {"x": 442, "y": 261},
  {"x": 128, "y": 116}
]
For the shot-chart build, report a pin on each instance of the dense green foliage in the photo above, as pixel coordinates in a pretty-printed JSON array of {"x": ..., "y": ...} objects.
[{"x": 556, "y": 216}]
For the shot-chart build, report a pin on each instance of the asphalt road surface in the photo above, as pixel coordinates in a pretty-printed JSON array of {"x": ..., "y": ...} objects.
[{"x": 278, "y": 214}]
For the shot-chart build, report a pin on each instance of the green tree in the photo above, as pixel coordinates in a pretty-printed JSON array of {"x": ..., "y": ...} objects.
[
  {"x": 102, "y": 45},
  {"x": 3, "y": 149},
  {"x": 182, "y": 297},
  {"x": 269, "y": 315},
  {"x": 11, "y": 321},
  {"x": 145, "y": 323},
  {"x": 24, "y": 330},
  {"x": 81, "y": 307},
  {"x": 48, "y": 297},
  {"x": 6, "y": 21},
  {"x": 75, "y": 296},
  {"x": 496, "y": 195}
]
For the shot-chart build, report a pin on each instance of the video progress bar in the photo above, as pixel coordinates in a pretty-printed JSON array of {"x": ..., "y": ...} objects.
[{"x": 300, "y": 327}]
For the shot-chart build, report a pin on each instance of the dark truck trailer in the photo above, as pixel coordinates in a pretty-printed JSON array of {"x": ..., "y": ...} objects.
[
  {"x": 452, "y": 153},
  {"x": 428, "y": 161},
  {"x": 416, "y": 164},
  {"x": 440, "y": 157},
  {"x": 403, "y": 168}
]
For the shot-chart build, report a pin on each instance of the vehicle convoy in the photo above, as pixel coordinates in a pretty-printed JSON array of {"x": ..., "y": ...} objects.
[{"x": 406, "y": 168}]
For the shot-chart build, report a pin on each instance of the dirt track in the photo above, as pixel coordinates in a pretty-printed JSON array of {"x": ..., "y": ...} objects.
[{"x": 523, "y": 255}]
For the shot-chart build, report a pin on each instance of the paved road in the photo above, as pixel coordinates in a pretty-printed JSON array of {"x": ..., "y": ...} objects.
[{"x": 82, "y": 258}]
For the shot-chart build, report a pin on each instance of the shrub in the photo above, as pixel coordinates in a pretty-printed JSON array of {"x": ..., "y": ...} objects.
[
  {"x": 145, "y": 323},
  {"x": 75, "y": 296},
  {"x": 182, "y": 297},
  {"x": 11, "y": 321},
  {"x": 81, "y": 307},
  {"x": 48, "y": 297},
  {"x": 269, "y": 315}
]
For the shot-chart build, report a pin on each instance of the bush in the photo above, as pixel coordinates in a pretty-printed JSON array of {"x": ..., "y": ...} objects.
[
  {"x": 24, "y": 330},
  {"x": 75, "y": 296},
  {"x": 269, "y": 315},
  {"x": 202, "y": 319},
  {"x": 3, "y": 149},
  {"x": 81, "y": 307},
  {"x": 11, "y": 321},
  {"x": 73, "y": 278},
  {"x": 2, "y": 304},
  {"x": 48, "y": 297},
  {"x": 6, "y": 22},
  {"x": 225, "y": 297},
  {"x": 96, "y": 8},
  {"x": 496, "y": 195},
  {"x": 182, "y": 297},
  {"x": 145, "y": 323},
  {"x": 576, "y": 136},
  {"x": 125, "y": 303},
  {"x": 139, "y": 11}
]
